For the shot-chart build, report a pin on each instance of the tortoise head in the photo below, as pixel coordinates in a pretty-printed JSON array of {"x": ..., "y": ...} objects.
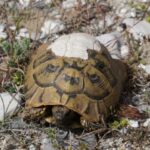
[{"x": 63, "y": 115}]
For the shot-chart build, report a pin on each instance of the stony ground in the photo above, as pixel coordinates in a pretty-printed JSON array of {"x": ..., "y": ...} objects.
[{"x": 123, "y": 26}]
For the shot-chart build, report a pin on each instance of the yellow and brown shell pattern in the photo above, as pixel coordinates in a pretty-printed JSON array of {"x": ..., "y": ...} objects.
[{"x": 89, "y": 87}]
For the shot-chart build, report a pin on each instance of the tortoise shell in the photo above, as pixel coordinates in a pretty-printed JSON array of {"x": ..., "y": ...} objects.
[{"x": 77, "y": 72}]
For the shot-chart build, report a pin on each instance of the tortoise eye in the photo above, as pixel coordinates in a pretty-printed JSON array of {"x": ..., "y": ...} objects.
[
  {"x": 94, "y": 78},
  {"x": 51, "y": 68},
  {"x": 100, "y": 65}
]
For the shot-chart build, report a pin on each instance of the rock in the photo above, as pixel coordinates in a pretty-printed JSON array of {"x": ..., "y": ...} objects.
[
  {"x": 32, "y": 147},
  {"x": 24, "y": 3},
  {"x": 136, "y": 100},
  {"x": 13, "y": 27},
  {"x": 126, "y": 12},
  {"x": 23, "y": 32},
  {"x": 124, "y": 130},
  {"x": 115, "y": 44},
  {"x": 46, "y": 144},
  {"x": 144, "y": 1},
  {"x": 2, "y": 27},
  {"x": 9, "y": 104},
  {"x": 3, "y": 35},
  {"x": 147, "y": 123},
  {"x": 72, "y": 3},
  {"x": 44, "y": 1},
  {"x": 133, "y": 123},
  {"x": 145, "y": 108},
  {"x": 52, "y": 26},
  {"x": 90, "y": 140},
  {"x": 117, "y": 3},
  {"x": 139, "y": 29},
  {"x": 145, "y": 67},
  {"x": 2, "y": 2},
  {"x": 107, "y": 22}
]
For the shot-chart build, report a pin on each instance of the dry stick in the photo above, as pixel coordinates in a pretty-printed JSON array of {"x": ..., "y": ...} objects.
[
  {"x": 3, "y": 69},
  {"x": 101, "y": 130}
]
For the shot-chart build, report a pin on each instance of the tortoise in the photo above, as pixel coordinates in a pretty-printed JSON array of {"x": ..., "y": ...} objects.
[{"x": 73, "y": 81}]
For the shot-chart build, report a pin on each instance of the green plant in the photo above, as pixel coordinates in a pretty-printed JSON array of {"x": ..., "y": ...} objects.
[
  {"x": 51, "y": 132},
  {"x": 118, "y": 124},
  {"x": 138, "y": 6},
  {"x": 148, "y": 19},
  {"x": 16, "y": 50},
  {"x": 17, "y": 78}
]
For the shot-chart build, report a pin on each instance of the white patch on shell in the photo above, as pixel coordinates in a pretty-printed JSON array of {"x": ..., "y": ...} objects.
[{"x": 75, "y": 45}]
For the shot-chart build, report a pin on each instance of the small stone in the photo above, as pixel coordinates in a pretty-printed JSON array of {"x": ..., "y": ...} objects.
[
  {"x": 32, "y": 147},
  {"x": 144, "y": 108},
  {"x": 144, "y": 1},
  {"x": 124, "y": 51},
  {"x": 71, "y": 3},
  {"x": 145, "y": 67},
  {"x": 136, "y": 100},
  {"x": 133, "y": 13},
  {"x": 24, "y": 3},
  {"x": 48, "y": 1},
  {"x": 3, "y": 35},
  {"x": 2, "y": 27},
  {"x": 13, "y": 28},
  {"x": 126, "y": 12},
  {"x": 147, "y": 123},
  {"x": 23, "y": 32},
  {"x": 133, "y": 123},
  {"x": 46, "y": 144},
  {"x": 52, "y": 26},
  {"x": 124, "y": 130}
]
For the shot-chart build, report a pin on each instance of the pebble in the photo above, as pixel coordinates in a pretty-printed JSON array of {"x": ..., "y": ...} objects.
[
  {"x": 144, "y": 1},
  {"x": 124, "y": 130},
  {"x": 136, "y": 100},
  {"x": 145, "y": 67},
  {"x": 71, "y": 3},
  {"x": 46, "y": 144},
  {"x": 24, "y": 3},
  {"x": 23, "y": 32},
  {"x": 45, "y": 1},
  {"x": 133, "y": 123},
  {"x": 2, "y": 27},
  {"x": 32, "y": 147},
  {"x": 13, "y": 27},
  {"x": 147, "y": 123},
  {"x": 144, "y": 108},
  {"x": 3, "y": 35},
  {"x": 9, "y": 104},
  {"x": 126, "y": 12},
  {"x": 52, "y": 26}
]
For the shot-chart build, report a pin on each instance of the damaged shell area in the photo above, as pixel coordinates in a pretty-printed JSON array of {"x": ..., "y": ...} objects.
[{"x": 76, "y": 45}]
